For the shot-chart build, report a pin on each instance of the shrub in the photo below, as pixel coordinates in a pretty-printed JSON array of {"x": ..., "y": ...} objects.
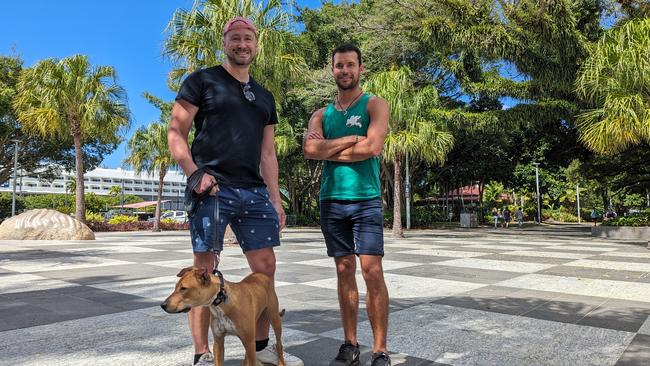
[
  {"x": 120, "y": 219},
  {"x": 642, "y": 219},
  {"x": 94, "y": 217},
  {"x": 559, "y": 215},
  {"x": 169, "y": 224}
]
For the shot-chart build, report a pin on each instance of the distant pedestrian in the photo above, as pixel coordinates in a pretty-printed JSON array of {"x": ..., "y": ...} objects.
[
  {"x": 520, "y": 217},
  {"x": 594, "y": 216},
  {"x": 506, "y": 217},
  {"x": 495, "y": 217}
]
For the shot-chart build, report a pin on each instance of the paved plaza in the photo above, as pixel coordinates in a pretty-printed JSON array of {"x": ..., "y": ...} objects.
[{"x": 550, "y": 296}]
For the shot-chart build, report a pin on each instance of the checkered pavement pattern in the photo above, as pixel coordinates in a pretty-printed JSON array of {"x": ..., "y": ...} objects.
[{"x": 475, "y": 297}]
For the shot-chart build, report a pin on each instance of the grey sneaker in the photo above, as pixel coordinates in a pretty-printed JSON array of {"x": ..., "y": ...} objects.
[
  {"x": 270, "y": 356},
  {"x": 348, "y": 355},
  {"x": 380, "y": 359},
  {"x": 205, "y": 360}
]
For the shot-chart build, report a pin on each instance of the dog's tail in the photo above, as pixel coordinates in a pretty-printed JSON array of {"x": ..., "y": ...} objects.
[{"x": 282, "y": 313}]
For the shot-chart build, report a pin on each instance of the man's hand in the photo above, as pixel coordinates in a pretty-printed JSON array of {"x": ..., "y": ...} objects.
[
  {"x": 208, "y": 183},
  {"x": 282, "y": 217}
]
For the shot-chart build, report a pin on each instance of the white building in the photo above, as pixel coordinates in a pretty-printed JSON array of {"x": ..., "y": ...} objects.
[{"x": 100, "y": 181}]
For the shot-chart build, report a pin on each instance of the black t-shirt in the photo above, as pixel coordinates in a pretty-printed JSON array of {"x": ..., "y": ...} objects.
[{"x": 229, "y": 128}]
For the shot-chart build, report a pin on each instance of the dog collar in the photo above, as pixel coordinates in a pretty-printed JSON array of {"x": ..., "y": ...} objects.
[{"x": 221, "y": 296}]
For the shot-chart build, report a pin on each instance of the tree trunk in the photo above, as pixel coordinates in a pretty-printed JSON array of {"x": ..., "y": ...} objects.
[
  {"x": 397, "y": 199},
  {"x": 161, "y": 178},
  {"x": 80, "y": 209}
]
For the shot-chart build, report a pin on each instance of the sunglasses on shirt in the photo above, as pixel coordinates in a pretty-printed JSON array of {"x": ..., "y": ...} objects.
[{"x": 248, "y": 93}]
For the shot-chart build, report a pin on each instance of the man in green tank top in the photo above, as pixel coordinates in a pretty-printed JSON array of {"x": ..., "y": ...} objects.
[{"x": 348, "y": 136}]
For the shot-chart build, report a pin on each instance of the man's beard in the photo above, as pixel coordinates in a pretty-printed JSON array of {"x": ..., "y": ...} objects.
[
  {"x": 233, "y": 60},
  {"x": 353, "y": 84}
]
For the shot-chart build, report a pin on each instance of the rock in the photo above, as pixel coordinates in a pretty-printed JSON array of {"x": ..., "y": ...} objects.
[{"x": 44, "y": 224}]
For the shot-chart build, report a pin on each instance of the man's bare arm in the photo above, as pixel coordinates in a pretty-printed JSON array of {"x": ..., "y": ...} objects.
[
  {"x": 316, "y": 147},
  {"x": 269, "y": 171},
  {"x": 370, "y": 147},
  {"x": 183, "y": 114}
]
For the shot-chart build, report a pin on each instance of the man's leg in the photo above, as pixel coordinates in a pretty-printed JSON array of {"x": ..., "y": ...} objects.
[
  {"x": 262, "y": 261},
  {"x": 199, "y": 318},
  {"x": 348, "y": 295},
  {"x": 376, "y": 299}
]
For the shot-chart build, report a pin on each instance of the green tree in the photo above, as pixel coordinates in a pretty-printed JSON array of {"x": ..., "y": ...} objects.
[
  {"x": 615, "y": 79},
  {"x": 410, "y": 133},
  {"x": 149, "y": 151},
  {"x": 71, "y": 99},
  {"x": 195, "y": 40}
]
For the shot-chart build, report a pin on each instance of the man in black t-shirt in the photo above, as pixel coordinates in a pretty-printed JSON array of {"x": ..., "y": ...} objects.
[{"x": 233, "y": 152}]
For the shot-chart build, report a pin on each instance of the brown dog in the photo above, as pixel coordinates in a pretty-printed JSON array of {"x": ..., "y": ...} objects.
[{"x": 235, "y": 307}]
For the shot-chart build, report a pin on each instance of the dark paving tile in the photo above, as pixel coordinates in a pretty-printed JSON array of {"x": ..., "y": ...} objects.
[
  {"x": 619, "y": 315},
  {"x": 596, "y": 273},
  {"x": 455, "y": 273},
  {"x": 504, "y": 300},
  {"x": 527, "y": 259},
  {"x": 27, "y": 309},
  {"x": 566, "y": 308},
  {"x": 637, "y": 352},
  {"x": 94, "y": 275},
  {"x": 320, "y": 352},
  {"x": 34, "y": 254},
  {"x": 560, "y": 250},
  {"x": 316, "y": 321},
  {"x": 145, "y": 257}
]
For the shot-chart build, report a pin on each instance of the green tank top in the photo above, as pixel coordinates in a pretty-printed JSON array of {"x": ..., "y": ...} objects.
[{"x": 355, "y": 181}]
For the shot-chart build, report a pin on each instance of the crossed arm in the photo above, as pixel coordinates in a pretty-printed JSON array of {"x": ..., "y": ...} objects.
[{"x": 348, "y": 148}]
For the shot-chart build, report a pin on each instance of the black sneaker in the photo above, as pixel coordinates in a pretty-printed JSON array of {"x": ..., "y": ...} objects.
[
  {"x": 380, "y": 359},
  {"x": 348, "y": 355}
]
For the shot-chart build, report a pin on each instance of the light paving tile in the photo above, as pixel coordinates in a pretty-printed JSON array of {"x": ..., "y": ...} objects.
[
  {"x": 407, "y": 245},
  {"x": 633, "y": 291},
  {"x": 127, "y": 338},
  {"x": 157, "y": 288},
  {"x": 443, "y": 253},
  {"x": 457, "y": 336},
  {"x": 59, "y": 263},
  {"x": 584, "y": 248},
  {"x": 386, "y": 264},
  {"x": 498, "y": 246},
  {"x": 645, "y": 254},
  {"x": 12, "y": 283},
  {"x": 551, "y": 254},
  {"x": 617, "y": 266},
  {"x": 226, "y": 263},
  {"x": 117, "y": 249},
  {"x": 508, "y": 266},
  {"x": 645, "y": 328},
  {"x": 405, "y": 287}
]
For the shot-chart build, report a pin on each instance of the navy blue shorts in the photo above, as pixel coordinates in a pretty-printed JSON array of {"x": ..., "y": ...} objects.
[
  {"x": 248, "y": 211},
  {"x": 352, "y": 227}
]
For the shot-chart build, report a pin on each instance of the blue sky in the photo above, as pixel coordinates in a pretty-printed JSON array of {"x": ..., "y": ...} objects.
[{"x": 125, "y": 34}]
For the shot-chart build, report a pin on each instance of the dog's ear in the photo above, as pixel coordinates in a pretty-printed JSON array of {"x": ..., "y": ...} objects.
[
  {"x": 184, "y": 271},
  {"x": 204, "y": 275}
]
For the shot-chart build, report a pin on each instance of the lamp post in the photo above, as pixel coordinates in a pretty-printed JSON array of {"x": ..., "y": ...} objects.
[
  {"x": 539, "y": 209},
  {"x": 13, "y": 196},
  {"x": 578, "y": 200},
  {"x": 407, "y": 194}
]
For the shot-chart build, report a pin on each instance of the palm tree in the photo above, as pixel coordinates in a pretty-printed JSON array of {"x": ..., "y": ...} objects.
[
  {"x": 410, "y": 132},
  {"x": 195, "y": 40},
  {"x": 615, "y": 79},
  {"x": 69, "y": 98},
  {"x": 149, "y": 152}
]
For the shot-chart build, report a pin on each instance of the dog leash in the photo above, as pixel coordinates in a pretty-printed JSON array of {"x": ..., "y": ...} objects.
[{"x": 217, "y": 253}]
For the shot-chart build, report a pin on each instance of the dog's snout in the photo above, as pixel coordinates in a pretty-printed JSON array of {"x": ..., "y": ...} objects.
[{"x": 164, "y": 306}]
